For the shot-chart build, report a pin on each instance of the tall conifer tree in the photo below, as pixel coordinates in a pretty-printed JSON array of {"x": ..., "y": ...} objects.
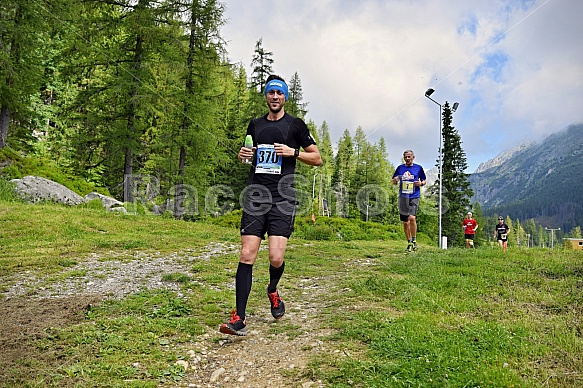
[
  {"x": 343, "y": 172},
  {"x": 456, "y": 187},
  {"x": 295, "y": 106},
  {"x": 262, "y": 67}
]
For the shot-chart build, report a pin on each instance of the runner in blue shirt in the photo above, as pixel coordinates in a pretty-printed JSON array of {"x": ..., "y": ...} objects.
[{"x": 410, "y": 177}]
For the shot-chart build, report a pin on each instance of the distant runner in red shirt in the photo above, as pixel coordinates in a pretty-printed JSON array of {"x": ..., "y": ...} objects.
[{"x": 470, "y": 226}]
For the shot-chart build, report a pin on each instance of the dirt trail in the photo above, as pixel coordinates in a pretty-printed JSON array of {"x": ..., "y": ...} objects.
[{"x": 273, "y": 354}]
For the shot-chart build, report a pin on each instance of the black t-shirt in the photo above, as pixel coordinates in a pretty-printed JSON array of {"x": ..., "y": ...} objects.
[
  {"x": 501, "y": 229},
  {"x": 288, "y": 130}
]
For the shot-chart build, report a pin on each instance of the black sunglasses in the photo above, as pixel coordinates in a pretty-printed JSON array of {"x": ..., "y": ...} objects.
[{"x": 500, "y": 219}]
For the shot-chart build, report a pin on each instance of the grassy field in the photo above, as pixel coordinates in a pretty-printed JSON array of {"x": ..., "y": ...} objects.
[{"x": 454, "y": 318}]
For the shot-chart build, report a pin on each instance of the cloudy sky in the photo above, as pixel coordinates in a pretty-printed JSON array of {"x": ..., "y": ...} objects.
[{"x": 515, "y": 67}]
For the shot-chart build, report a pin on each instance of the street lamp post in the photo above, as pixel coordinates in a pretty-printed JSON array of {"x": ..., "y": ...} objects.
[
  {"x": 367, "y": 206},
  {"x": 552, "y": 236},
  {"x": 428, "y": 93}
]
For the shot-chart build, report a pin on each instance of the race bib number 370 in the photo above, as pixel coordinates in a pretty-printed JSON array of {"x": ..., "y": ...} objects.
[{"x": 267, "y": 160}]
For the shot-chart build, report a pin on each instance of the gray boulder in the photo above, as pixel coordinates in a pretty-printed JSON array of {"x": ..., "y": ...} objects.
[
  {"x": 111, "y": 204},
  {"x": 36, "y": 189}
]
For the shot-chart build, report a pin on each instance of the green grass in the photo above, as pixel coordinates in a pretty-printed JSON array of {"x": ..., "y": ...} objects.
[
  {"x": 116, "y": 334},
  {"x": 454, "y": 318},
  {"x": 459, "y": 318},
  {"x": 45, "y": 236},
  {"x": 7, "y": 193}
]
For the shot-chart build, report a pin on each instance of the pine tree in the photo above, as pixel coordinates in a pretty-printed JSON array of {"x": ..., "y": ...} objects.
[
  {"x": 343, "y": 172},
  {"x": 262, "y": 65},
  {"x": 530, "y": 229},
  {"x": 512, "y": 232},
  {"x": 326, "y": 170},
  {"x": 456, "y": 187},
  {"x": 195, "y": 137},
  {"x": 122, "y": 50},
  {"x": 520, "y": 235},
  {"x": 360, "y": 173},
  {"x": 380, "y": 173},
  {"x": 484, "y": 231},
  {"x": 234, "y": 104},
  {"x": 294, "y": 105}
]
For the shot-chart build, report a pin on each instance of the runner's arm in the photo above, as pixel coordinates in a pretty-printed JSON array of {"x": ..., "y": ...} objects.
[{"x": 310, "y": 156}]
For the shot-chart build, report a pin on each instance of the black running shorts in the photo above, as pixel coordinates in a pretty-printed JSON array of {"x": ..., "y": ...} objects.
[{"x": 275, "y": 219}]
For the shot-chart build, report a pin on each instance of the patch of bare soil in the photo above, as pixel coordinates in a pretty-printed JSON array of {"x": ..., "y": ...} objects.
[
  {"x": 24, "y": 319},
  {"x": 273, "y": 354}
]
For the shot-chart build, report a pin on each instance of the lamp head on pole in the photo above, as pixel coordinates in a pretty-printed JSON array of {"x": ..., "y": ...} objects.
[
  {"x": 429, "y": 92},
  {"x": 455, "y": 106}
]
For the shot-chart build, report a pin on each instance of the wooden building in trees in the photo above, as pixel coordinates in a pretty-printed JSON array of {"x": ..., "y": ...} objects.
[{"x": 574, "y": 243}]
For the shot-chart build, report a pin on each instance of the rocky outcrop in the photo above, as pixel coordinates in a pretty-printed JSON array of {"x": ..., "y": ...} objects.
[
  {"x": 36, "y": 189},
  {"x": 110, "y": 204}
]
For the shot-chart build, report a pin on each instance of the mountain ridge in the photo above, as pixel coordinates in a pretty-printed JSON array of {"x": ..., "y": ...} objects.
[
  {"x": 502, "y": 157},
  {"x": 536, "y": 180}
]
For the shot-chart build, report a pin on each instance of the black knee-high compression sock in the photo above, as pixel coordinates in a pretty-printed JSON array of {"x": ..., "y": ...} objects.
[
  {"x": 274, "y": 276},
  {"x": 243, "y": 282}
]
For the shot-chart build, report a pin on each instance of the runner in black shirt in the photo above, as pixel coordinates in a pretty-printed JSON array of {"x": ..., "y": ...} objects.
[
  {"x": 501, "y": 233},
  {"x": 269, "y": 199}
]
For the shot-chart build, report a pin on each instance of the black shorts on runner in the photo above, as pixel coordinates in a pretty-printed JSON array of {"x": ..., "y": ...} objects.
[
  {"x": 469, "y": 236},
  {"x": 408, "y": 207},
  {"x": 275, "y": 219}
]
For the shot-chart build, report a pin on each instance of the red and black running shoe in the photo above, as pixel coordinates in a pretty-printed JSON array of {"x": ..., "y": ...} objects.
[
  {"x": 235, "y": 326},
  {"x": 277, "y": 305}
]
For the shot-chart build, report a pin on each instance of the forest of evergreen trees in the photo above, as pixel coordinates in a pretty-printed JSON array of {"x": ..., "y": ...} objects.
[
  {"x": 114, "y": 89},
  {"x": 110, "y": 89}
]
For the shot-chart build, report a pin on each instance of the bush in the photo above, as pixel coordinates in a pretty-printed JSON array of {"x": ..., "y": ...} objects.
[
  {"x": 94, "y": 204},
  {"x": 228, "y": 220},
  {"x": 7, "y": 192},
  {"x": 329, "y": 228},
  {"x": 319, "y": 232},
  {"x": 347, "y": 229},
  {"x": 18, "y": 166}
]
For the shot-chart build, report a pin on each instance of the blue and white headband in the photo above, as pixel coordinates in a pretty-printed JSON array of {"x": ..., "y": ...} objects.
[{"x": 276, "y": 84}]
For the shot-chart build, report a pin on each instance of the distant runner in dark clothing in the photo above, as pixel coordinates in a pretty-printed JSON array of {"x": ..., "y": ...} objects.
[{"x": 501, "y": 233}]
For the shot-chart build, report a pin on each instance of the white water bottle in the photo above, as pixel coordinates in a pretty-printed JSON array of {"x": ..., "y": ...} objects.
[{"x": 248, "y": 145}]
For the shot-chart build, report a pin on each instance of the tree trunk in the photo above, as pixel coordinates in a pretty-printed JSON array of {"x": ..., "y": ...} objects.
[
  {"x": 132, "y": 113},
  {"x": 4, "y": 121},
  {"x": 186, "y": 122},
  {"x": 127, "y": 175},
  {"x": 189, "y": 87}
]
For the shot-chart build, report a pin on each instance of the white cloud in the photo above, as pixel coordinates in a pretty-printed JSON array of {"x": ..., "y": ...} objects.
[{"x": 368, "y": 63}]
